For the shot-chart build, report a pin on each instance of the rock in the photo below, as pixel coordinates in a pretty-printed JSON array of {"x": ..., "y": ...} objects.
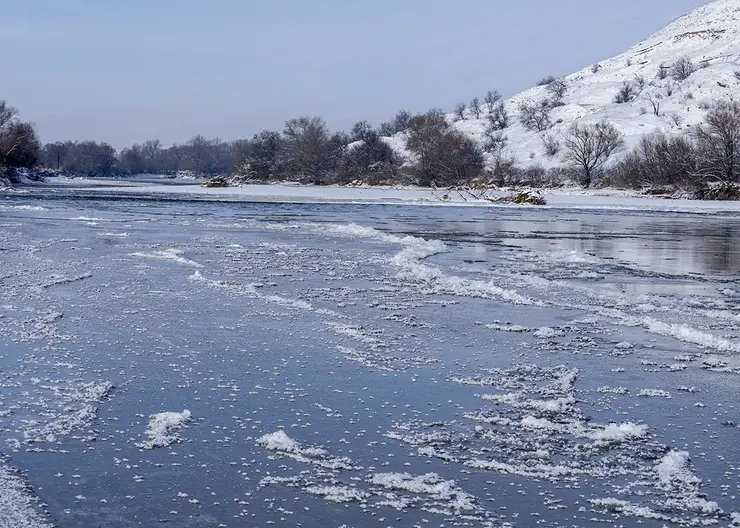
[
  {"x": 523, "y": 198},
  {"x": 529, "y": 198},
  {"x": 216, "y": 181}
]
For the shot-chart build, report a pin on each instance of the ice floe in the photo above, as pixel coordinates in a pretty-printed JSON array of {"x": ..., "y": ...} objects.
[{"x": 163, "y": 428}]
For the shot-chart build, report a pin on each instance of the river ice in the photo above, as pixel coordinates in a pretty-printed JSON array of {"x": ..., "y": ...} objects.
[{"x": 244, "y": 364}]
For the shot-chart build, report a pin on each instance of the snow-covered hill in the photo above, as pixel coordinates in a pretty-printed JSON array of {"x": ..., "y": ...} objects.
[{"x": 709, "y": 36}]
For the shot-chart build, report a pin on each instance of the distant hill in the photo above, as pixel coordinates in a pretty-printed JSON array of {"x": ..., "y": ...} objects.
[{"x": 703, "y": 46}]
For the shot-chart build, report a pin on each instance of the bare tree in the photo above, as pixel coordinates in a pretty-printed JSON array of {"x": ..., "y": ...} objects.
[
  {"x": 361, "y": 130},
  {"x": 7, "y": 114},
  {"x": 475, "y": 107},
  {"x": 719, "y": 142},
  {"x": 535, "y": 116},
  {"x": 372, "y": 161},
  {"x": 398, "y": 124},
  {"x": 552, "y": 145},
  {"x": 546, "y": 80},
  {"x": 491, "y": 99},
  {"x": 557, "y": 89},
  {"x": 654, "y": 100},
  {"x": 589, "y": 146},
  {"x": 19, "y": 144},
  {"x": 444, "y": 156},
  {"x": 682, "y": 69},
  {"x": 494, "y": 138},
  {"x": 151, "y": 153},
  {"x": 659, "y": 160},
  {"x": 264, "y": 155},
  {"x": 499, "y": 117},
  {"x": 307, "y": 151},
  {"x": 240, "y": 153},
  {"x": 460, "y": 111},
  {"x": 53, "y": 155}
]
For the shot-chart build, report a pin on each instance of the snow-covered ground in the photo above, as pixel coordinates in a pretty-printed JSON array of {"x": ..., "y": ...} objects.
[
  {"x": 562, "y": 198},
  {"x": 216, "y": 362}
]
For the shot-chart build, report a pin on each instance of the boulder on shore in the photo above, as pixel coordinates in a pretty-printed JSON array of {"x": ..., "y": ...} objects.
[
  {"x": 217, "y": 181},
  {"x": 522, "y": 198}
]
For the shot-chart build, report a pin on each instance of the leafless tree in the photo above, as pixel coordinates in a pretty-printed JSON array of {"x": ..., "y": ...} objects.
[
  {"x": 444, "y": 156},
  {"x": 682, "y": 69},
  {"x": 19, "y": 144},
  {"x": 546, "y": 80},
  {"x": 398, "y": 124},
  {"x": 535, "y": 116},
  {"x": 460, "y": 111},
  {"x": 491, "y": 99},
  {"x": 307, "y": 152},
  {"x": 552, "y": 145},
  {"x": 361, "y": 130},
  {"x": 557, "y": 89},
  {"x": 494, "y": 139},
  {"x": 475, "y": 107},
  {"x": 53, "y": 155},
  {"x": 589, "y": 146},
  {"x": 654, "y": 100},
  {"x": 659, "y": 161},
  {"x": 264, "y": 155},
  {"x": 7, "y": 114},
  {"x": 372, "y": 161},
  {"x": 499, "y": 117},
  {"x": 719, "y": 142},
  {"x": 240, "y": 153},
  {"x": 504, "y": 171}
]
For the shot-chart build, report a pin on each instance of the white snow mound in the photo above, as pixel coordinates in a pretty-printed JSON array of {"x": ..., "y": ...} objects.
[{"x": 163, "y": 428}]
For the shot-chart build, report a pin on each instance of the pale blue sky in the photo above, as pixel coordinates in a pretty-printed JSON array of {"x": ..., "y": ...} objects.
[{"x": 127, "y": 71}]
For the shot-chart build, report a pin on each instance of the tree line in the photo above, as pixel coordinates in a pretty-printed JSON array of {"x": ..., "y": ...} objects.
[{"x": 307, "y": 151}]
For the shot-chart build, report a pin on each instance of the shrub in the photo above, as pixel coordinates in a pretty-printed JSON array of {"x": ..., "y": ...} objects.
[
  {"x": 491, "y": 100},
  {"x": 545, "y": 81},
  {"x": 552, "y": 145},
  {"x": 682, "y": 69},
  {"x": 535, "y": 116},
  {"x": 475, "y": 107},
  {"x": 499, "y": 118},
  {"x": 626, "y": 93},
  {"x": 443, "y": 156},
  {"x": 460, "y": 111}
]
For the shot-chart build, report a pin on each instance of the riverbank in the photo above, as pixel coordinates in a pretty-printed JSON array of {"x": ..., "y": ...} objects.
[{"x": 561, "y": 198}]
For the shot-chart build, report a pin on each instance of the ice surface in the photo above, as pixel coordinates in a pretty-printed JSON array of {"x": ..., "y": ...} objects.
[
  {"x": 338, "y": 357},
  {"x": 175, "y": 255}
]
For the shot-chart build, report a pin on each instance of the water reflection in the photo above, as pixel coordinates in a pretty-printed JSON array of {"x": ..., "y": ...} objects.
[{"x": 676, "y": 246}]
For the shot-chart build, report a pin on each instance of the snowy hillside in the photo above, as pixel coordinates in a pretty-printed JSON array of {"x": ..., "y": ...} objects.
[{"x": 709, "y": 36}]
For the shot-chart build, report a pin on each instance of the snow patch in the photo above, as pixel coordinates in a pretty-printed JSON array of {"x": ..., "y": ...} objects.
[
  {"x": 174, "y": 255},
  {"x": 163, "y": 427},
  {"x": 18, "y": 506}
]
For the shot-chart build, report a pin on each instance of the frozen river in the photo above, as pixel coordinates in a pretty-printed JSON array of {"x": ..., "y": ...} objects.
[{"x": 235, "y": 364}]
